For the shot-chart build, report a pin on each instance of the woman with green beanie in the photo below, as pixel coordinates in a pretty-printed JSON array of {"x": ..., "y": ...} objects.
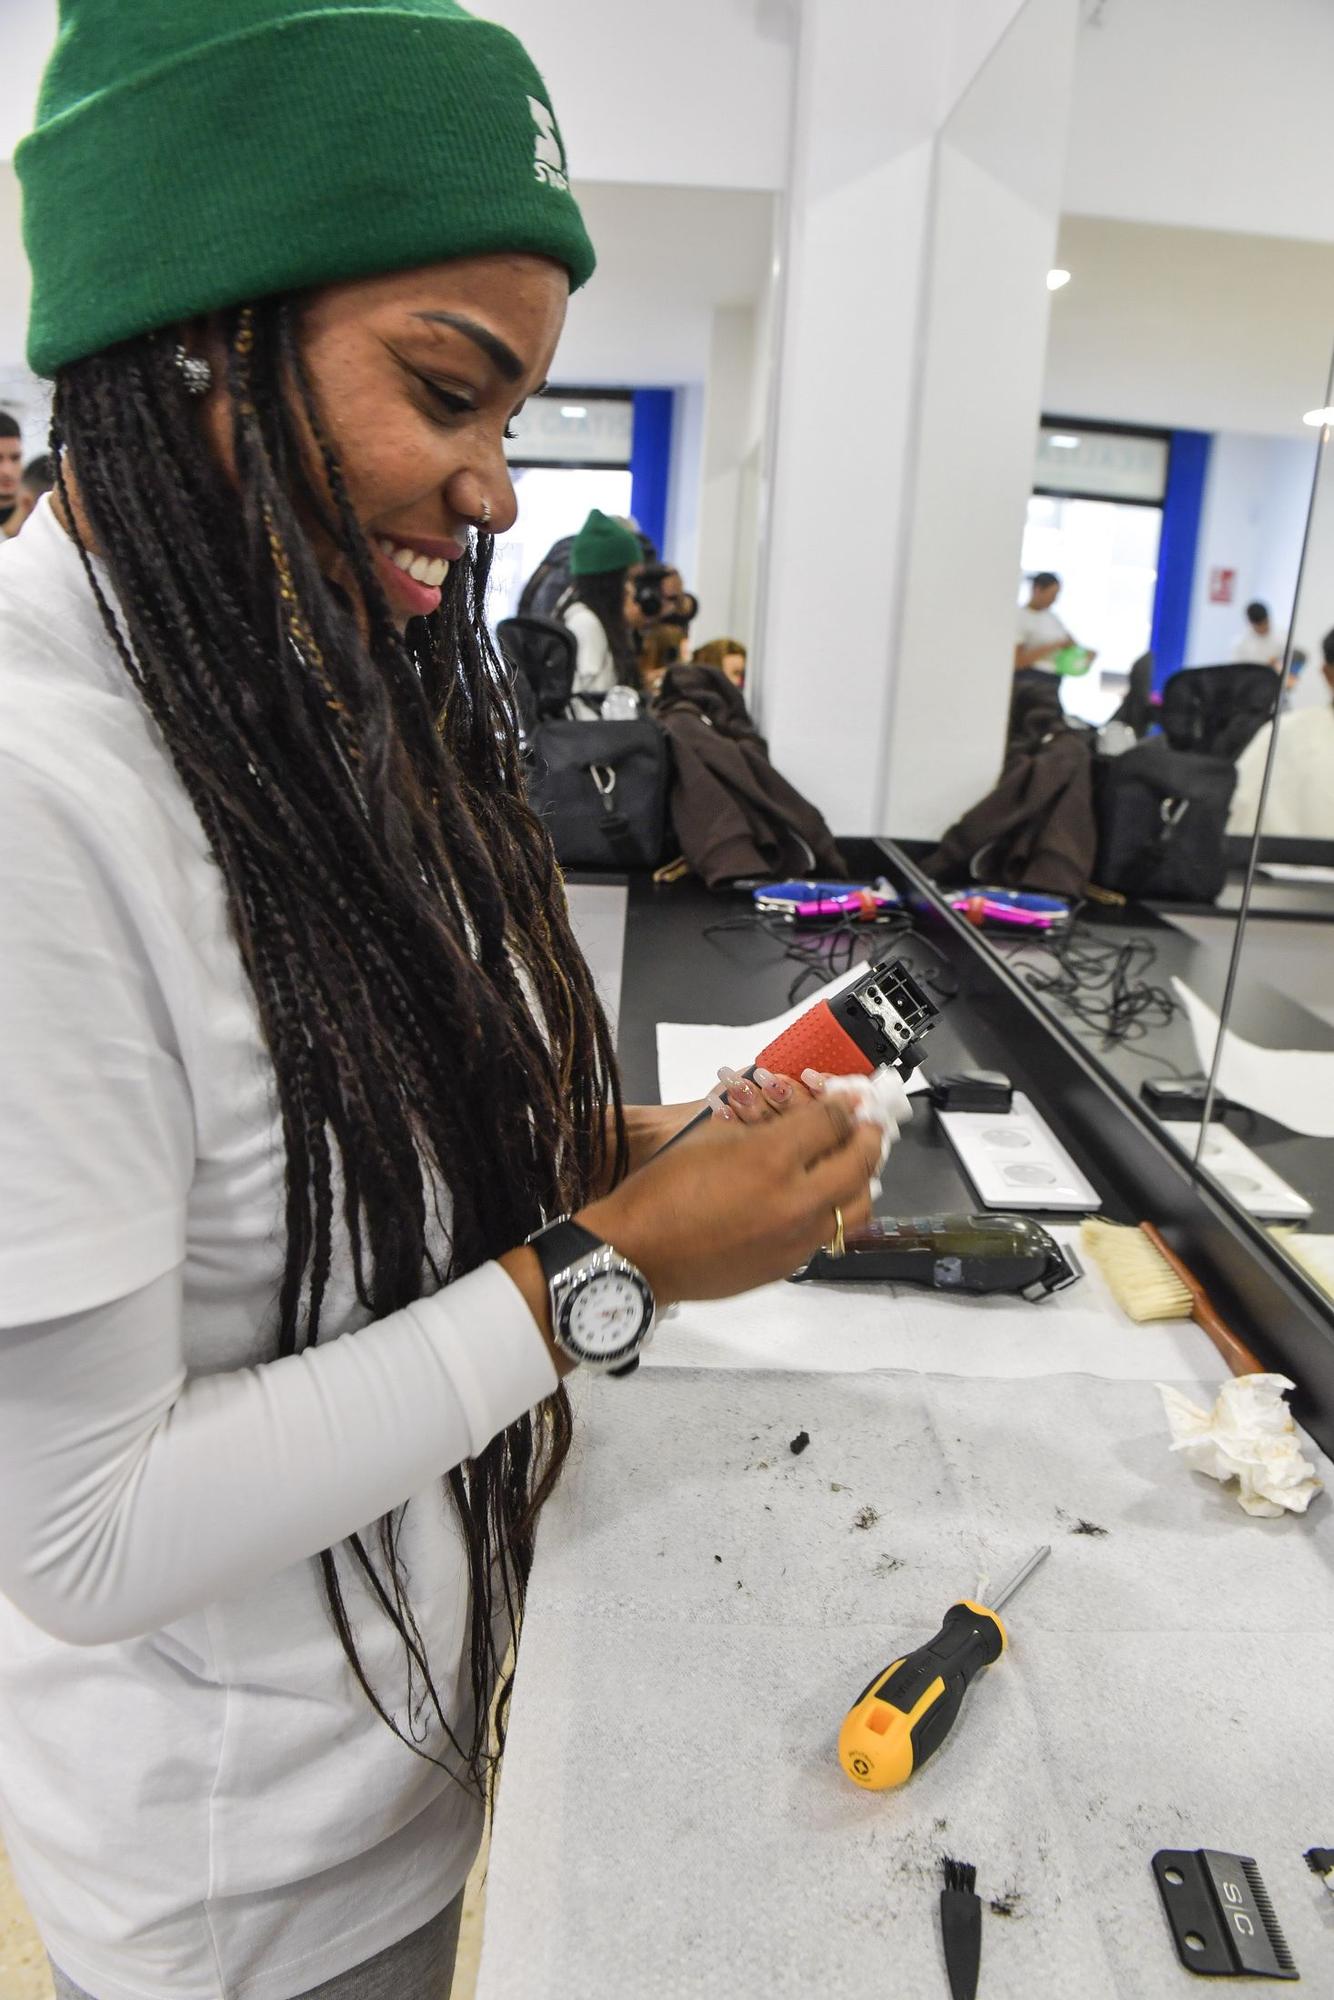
[
  {"x": 297, "y": 1050},
  {"x": 601, "y": 610}
]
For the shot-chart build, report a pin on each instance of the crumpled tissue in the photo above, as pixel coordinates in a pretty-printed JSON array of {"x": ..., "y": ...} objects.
[
  {"x": 1249, "y": 1436},
  {"x": 876, "y": 1100}
]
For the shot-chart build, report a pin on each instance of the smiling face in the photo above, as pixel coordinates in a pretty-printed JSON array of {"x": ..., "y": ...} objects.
[{"x": 417, "y": 375}]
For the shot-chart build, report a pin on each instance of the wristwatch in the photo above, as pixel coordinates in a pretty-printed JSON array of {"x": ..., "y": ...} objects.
[{"x": 602, "y": 1306}]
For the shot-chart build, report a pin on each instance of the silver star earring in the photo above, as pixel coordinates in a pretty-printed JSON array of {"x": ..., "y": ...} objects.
[{"x": 196, "y": 374}]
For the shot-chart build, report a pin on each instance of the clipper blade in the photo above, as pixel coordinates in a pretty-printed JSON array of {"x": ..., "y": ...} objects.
[{"x": 1221, "y": 1917}]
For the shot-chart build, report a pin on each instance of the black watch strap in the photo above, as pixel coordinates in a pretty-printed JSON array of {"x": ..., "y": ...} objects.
[{"x": 561, "y": 1244}]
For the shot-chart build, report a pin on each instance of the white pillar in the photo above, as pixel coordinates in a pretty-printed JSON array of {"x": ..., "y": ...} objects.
[{"x": 924, "y": 194}]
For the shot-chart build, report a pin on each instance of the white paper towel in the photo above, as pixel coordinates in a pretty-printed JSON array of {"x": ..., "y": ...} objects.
[
  {"x": 673, "y": 1823},
  {"x": 1248, "y": 1435},
  {"x": 1294, "y": 1086},
  {"x": 690, "y": 1053}
]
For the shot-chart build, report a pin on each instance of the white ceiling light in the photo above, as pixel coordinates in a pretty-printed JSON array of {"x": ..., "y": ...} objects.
[
  {"x": 1063, "y": 442},
  {"x": 574, "y": 411},
  {"x": 1317, "y": 417},
  {"x": 1055, "y": 279}
]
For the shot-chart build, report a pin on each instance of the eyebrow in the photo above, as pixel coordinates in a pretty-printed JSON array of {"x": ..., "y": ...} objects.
[{"x": 495, "y": 349}]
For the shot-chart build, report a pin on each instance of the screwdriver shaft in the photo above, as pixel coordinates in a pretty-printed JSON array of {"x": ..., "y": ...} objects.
[{"x": 1021, "y": 1575}]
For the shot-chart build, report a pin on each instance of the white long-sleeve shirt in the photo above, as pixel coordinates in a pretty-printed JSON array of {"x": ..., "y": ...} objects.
[
  {"x": 198, "y": 1799},
  {"x": 1301, "y": 791}
]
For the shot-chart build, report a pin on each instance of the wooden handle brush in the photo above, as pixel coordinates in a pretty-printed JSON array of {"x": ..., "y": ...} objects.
[{"x": 1149, "y": 1281}]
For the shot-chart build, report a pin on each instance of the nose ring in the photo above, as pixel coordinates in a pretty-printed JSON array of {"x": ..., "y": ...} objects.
[{"x": 484, "y": 514}]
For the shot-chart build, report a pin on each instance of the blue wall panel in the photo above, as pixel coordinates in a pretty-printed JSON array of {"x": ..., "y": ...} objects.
[
  {"x": 651, "y": 460},
  {"x": 1182, "y": 503}
]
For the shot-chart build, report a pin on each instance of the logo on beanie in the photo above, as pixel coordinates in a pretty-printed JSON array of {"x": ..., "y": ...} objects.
[{"x": 548, "y": 159}]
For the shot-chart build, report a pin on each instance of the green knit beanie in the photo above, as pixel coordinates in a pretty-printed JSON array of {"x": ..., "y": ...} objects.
[
  {"x": 192, "y": 154},
  {"x": 602, "y": 545}
]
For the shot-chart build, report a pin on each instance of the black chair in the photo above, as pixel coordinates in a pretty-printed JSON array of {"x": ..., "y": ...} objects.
[
  {"x": 1136, "y": 709},
  {"x": 543, "y": 651},
  {"x": 1219, "y": 709}
]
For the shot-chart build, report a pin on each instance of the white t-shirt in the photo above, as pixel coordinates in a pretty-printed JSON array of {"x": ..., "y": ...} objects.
[
  {"x": 1040, "y": 628},
  {"x": 1258, "y": 649},
  {"x": 1301, "y": 792},
  {"x": 198, "y": 1799}
]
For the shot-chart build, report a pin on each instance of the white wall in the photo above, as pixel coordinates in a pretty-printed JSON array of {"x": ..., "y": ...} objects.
[
  {"x": 1212, "y": 114},
  {"x": 29, "y": 31},
  {"x": 1256, "y": 495},
  {"x": 695, "y": 95},
  {"x": 1189, "y": 328},
  {"x": 911, "y": 369}
]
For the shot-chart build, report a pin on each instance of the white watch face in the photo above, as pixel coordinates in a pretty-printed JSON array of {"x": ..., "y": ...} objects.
[{"x": 606, "y": 1314}]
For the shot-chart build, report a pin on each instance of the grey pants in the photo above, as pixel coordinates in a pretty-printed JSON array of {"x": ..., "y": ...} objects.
[{"x": 420, "y": 1968}]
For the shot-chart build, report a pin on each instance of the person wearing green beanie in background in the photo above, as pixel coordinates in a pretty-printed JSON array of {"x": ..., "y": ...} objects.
[
  {"x": 297, "y": 1048},
  {"x": 601, "y": 610}
]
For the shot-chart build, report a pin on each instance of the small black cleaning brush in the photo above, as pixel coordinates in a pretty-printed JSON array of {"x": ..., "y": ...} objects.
[{"x": 961, "y": 1928}]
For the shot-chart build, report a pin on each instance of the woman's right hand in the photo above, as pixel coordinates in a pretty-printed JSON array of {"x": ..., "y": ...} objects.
[{"x": 735, "y": 1206}]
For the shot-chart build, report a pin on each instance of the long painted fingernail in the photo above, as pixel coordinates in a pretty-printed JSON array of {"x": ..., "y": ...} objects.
[
  {"x": 779, "y": 1090},
  {"x": 727, "y": 1075},
  {"x": 764, "y": 1077},
  {"x": 742, "y": 1091},
  {"x": 724, "y": 1113},
  {"x": 813, "y": 1080}
]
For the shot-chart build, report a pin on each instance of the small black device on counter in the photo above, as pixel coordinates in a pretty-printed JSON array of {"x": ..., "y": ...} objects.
[
  {"x": 1180, "y": 1098},
  {"x": 972, "y": 1090},
  {"x": 973, "y": 1254}
]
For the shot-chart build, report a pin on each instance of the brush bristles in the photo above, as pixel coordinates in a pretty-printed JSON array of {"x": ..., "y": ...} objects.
[
  {"x": 960, "y": 1875},
  {"x": 1142, "y": 1281}
]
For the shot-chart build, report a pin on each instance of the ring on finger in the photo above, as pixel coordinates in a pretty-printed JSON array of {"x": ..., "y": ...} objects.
[{"x": 836, "y": 1247}]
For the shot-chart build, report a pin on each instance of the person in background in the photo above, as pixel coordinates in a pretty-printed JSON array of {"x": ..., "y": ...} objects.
[
  {"x": 38, "y": 477},
  {"x": 14, "y": 507},
  {"x": 660, "y": 647},
  {"x": 601, "y": 610},
  {"x": 1300, "y": 804},
  {"x": 1260, "y": 645},
  {"x": 1039, "y": 637},
  {"x": 728, "y": 655}
]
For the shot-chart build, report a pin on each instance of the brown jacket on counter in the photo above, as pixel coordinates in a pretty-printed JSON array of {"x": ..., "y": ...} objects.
[
  {"x": 1035, "y": 829},
  {"x": 734, "y": 815}
]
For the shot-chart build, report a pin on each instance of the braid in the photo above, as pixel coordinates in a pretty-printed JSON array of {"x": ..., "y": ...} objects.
[{"x": 395, "y": 903}]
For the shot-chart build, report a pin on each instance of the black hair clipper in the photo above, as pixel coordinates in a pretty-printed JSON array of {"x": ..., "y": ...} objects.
[{"x": 972, "y": 1254}]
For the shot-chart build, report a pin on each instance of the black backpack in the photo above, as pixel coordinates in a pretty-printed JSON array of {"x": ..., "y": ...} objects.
[
  {"x": 600, "y": 787},
  {"x": 1162, "y": 815}
]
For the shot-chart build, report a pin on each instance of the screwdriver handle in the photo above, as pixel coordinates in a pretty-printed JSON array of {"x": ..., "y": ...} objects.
[{"x": 908, "y": 1710}]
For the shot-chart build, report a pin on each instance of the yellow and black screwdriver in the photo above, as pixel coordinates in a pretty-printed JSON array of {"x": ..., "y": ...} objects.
[{"x": 908, "y": 1710}]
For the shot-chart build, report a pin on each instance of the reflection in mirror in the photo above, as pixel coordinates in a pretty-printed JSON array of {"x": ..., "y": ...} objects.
[
  {"x": 1155, "y": 570},
  {"x": 1270, "y": 1143},
  {"x": 656, "y": 416}
]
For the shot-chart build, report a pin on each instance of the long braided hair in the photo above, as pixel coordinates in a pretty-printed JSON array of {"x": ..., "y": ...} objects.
[
  {"x": 433, "y": 1028},
  {"x": 604, "y": 594}
]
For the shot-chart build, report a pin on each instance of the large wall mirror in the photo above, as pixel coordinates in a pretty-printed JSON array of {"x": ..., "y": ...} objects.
[
  {"x": 1173, "y": 569},
  {"x": 1269, "y": 1144}
]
